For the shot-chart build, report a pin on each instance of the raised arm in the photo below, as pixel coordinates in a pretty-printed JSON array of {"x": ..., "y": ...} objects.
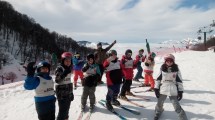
[{"x": 110, "y": 46}]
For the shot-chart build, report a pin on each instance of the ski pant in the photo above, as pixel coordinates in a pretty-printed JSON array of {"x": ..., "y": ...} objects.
[
  {"x": 139, "y": 72},
  {"x": 159, "y": 107},
  {"x": 113, "y": 91},
  {"x": 126, "y": 86},
  {"x": 46, "y": 110},
  {"x": 88, "y": 91},
  {"x": 149, "y": 80},
  {"x": 101, "y": 68},
  {"x": 76, "y": 74},
  {"x": 64, "y": 106}
]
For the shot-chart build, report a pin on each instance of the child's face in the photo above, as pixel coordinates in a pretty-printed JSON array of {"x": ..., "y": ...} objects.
[
  {"x": 67, "y": 62},
  {"x": 169, "y": 62},
  {"x": 44, "y": 70},
  {"x": 114, "y": 56},
  {"x": 140, "y": 52},
  {"x": 129, "y": 55},
  {"x": 90, "y": 61}
]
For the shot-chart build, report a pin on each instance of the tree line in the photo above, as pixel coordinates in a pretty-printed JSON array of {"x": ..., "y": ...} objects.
[{"x": 34, "y": 41}]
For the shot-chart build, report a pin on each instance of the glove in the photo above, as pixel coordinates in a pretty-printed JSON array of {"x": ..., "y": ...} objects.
[
  {"x": 157, "y": 92},
  {"x": 71, "y": 97},
  {"x": 65, "y": 73},
  {"x": 147, "y": 64},
  {"x": 31, "y": 69},
  {"x": 180, "y": 95}
]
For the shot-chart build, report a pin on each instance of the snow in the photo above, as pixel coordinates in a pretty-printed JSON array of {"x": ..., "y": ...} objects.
[
  {"x": 13, "y": 66},
  {"x": 198, "y": 99}
]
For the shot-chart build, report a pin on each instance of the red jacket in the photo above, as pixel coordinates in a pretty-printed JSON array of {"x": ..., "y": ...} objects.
[
  {"x": 113, "y": 72},
  {"x": 128, "y": 65}
]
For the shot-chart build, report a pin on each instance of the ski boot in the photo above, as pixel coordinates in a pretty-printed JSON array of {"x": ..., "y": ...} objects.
[
  {"x": 150, "y": 90},
  {"x": 137, "y": 80},
  {"x": 109, "y": 106},
  {"x": 83, "y": 108},
  {"x": 144, "y": 85},
  {"x": 123, "y": 97},
  {"x": 115, "y": 102},
  {"x": 129, "y": 93},
  {"x": 91, "y": 108}
]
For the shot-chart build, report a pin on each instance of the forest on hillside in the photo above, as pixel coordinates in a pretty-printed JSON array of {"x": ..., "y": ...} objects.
[{"x": 27, "y": 40}]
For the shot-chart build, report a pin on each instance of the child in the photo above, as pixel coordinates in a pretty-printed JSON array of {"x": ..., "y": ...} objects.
[
  {"x": 114, "y": 79},
  {"x": 169, "y": 83},
  {"x": 43, "y": 85},
  {"x": 91, "y": 77},
  {"x": 78, "y": 64},
  {"x": 148, "y": 70},
  {"x": 139, "y": 67},
  {"x": 128, "y": 65},
  {"x": 64, "y": 87}
]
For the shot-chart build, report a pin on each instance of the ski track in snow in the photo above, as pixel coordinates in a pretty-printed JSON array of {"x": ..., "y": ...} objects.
[{"x": 197, "y": 70}]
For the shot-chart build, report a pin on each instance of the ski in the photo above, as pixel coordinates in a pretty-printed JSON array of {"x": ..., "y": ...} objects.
[
  {"x": 114, "y": 112},
  {"x": 141, "y": 97},
  {"x": 131, "y": 102},
  {"x": 125, "y": 108},
  {"x": 88, "y": 116},
  {"x": 80, "y": 116}
]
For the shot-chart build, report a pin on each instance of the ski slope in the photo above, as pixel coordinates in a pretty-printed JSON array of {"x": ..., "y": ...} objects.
[{"x": 198, "y": 99}]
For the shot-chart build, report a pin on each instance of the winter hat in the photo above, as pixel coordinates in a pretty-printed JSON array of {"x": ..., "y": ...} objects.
[
  {"x": 128, "y": 51},
  {"x": 169, "y": 56},
  {"x": 111, "y": 52},
  {"x": 141, "y": 50},
  {"x": 43, "y": 64},
  {"x": 90, "y": 56}
]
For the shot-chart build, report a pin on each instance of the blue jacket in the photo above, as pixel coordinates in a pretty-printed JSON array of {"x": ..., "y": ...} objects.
[
  {"x": 32, "y": 82},
  {"x": 77, "y": 63}
]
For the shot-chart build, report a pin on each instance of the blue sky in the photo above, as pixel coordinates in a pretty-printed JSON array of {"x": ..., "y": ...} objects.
[
  {"x": 123, "y": 20},
  {"x": 202, "y": 4}
]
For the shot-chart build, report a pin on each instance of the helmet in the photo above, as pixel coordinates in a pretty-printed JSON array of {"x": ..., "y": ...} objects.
[
  {"x": 66, "y": 55},
  {"x": 111, "y": 52},
  {"x": 128, "y": 51},
  {"x": 43, "y": 64},
  {"x": 90, "y": 56},
  {"x": 169, "y": 56}
]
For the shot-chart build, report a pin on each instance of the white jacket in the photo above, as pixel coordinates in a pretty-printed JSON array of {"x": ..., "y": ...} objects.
[{"x": 169, "y": 83}]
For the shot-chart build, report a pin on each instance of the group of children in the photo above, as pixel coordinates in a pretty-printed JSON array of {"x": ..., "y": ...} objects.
[{"x": 117, "y": 72}]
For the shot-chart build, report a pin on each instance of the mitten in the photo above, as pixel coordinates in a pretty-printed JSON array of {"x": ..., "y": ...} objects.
[
  {"x": 180, "y": 95},
  {"x": 157, "y": 92},
  {"x": 31, "y": 69}
]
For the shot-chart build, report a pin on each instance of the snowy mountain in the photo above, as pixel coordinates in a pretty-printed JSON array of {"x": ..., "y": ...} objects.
[
  {"x": 188, "y": 41},
  {"x": 198, "y": 98},
  {"x": 90, "y": 44}
]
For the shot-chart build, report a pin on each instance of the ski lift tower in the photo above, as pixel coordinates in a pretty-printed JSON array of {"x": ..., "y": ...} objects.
[{"x": 205, "y": 30}]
